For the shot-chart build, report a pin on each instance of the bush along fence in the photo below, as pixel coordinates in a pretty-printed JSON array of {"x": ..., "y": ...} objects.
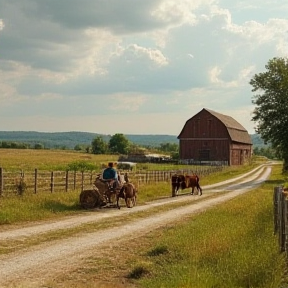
[
  {"x": 281, "y": 218},
  {"x": 64, "y": 181}
]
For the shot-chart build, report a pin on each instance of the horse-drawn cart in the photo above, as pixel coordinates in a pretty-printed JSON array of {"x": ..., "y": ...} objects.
[{"x": 104, "y": 195}]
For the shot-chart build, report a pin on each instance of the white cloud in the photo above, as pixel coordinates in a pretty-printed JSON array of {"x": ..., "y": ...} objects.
[
  {"x": 130, "y": 103},
  {"x": 214, "y": 74},
  {"x": 153, "y": 57},
  {"x": 2, "y": 24}
]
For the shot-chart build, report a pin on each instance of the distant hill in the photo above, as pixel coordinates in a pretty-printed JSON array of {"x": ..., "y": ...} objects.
[
  {"x": 70, "y": 139},
  {"x": 258, "y": 141}
]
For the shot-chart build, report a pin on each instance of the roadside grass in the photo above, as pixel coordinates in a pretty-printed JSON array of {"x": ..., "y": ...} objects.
[
  {"x": 34, "y": 207},
  {"x": 231, "y": 245}
]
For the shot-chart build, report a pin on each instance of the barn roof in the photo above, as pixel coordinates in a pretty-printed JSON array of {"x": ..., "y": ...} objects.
[{"x": 236, "y": 131}]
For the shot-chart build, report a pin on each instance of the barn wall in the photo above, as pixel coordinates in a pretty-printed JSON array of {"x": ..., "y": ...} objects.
[
  {"x": 205, "y": 149},
  {"x": 240, "y": 153}
]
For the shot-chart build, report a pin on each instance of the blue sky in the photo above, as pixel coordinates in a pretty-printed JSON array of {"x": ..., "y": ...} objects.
[{"x": 132, "y": 66}]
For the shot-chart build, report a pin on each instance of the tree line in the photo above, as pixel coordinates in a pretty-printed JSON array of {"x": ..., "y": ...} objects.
[{"x": 117, "y": 144}]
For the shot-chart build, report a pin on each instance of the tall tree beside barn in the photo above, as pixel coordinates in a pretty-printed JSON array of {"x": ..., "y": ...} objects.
[{"x": 271, "y": 111}]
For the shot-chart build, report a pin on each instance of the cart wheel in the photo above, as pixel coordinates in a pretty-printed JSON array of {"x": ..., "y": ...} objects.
[{"x": 90, "y": 199}]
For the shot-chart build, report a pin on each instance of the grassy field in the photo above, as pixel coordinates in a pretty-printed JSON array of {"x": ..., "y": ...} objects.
[{"x": 231, "y": 245}]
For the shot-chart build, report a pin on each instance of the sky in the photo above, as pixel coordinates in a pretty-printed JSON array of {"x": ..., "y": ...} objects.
[{"x": 133, "y": 66}]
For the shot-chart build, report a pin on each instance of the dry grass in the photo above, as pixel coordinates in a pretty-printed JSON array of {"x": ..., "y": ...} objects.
[{"x": 53, "y": 160}]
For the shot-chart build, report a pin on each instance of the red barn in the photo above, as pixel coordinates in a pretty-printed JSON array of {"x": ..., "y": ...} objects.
[{"x": 211, "y": 137}]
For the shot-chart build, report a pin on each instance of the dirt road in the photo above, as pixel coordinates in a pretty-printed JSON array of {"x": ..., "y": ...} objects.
[{"x": 32, "y": 265}]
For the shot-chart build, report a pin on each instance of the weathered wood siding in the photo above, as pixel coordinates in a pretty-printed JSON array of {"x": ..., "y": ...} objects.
[{"x": 205, "y": 149}]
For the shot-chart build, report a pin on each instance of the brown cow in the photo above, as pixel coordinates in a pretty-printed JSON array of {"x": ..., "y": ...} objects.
[{"x": 185, "y": 181}]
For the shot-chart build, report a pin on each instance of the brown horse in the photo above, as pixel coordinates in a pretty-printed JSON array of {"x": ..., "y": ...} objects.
[
  {"x": 129, "y": 193},
  {"x": 185, "y": 181}
]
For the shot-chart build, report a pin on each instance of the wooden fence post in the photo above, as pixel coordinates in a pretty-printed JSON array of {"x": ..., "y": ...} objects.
[
  {"x": 1, "y": 181},
  {"x": 91, "y": 178},
  {"x": 285, "y": 228},
  {"x": 276, "y": 202},
  {"x": 282, "y": 223},
  {"x": 173, "y": 185},
  {"x": 66, "y": 181},
  {"x": 35, "y": 181},
  {"x": 52, "y": 182},
  {"x": 82, "y": 181},
  {"x": 75, "y": 174},
  {"x": 280, "y": 217}
]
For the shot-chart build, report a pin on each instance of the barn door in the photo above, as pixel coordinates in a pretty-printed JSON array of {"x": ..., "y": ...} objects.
[{"x": 204, "y": 155}]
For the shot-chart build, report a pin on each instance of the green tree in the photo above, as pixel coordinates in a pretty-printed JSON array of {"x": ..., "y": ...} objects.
[
  {"x": 118, "y": 143},
  {"x": 38, "y": 146},
  {"x": 78, "y": 147},
  {"x": 169, "y": 147},
  {"x": 99, "y": 146},
  {"x": 271, "y": 100}
]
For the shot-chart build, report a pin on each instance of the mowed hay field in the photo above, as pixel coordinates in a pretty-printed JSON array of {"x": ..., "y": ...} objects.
[{"x": 52, "y": 160}]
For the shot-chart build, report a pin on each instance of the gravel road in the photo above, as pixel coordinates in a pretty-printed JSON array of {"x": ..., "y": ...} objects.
[{"x": 32, "y": 266}]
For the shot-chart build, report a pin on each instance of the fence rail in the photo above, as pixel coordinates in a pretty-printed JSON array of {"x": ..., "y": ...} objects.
[
  {"x": 60, "y": 181},
  {"x": 44, "y": 181},
  {"x": 281, "y": 218}
]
